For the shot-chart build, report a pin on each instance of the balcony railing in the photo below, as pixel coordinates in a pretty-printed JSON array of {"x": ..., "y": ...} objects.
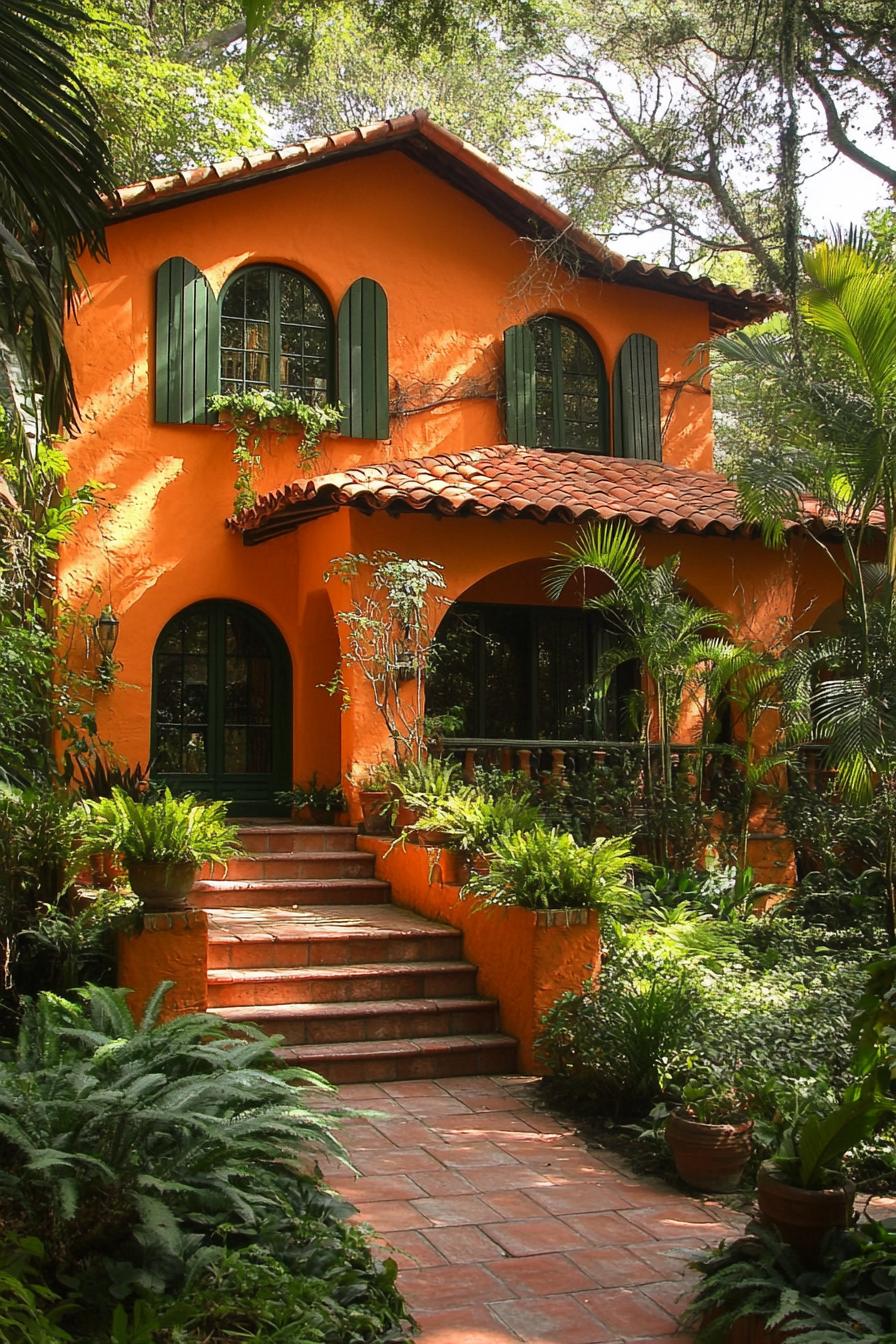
[{"x": 560, "y": 757}]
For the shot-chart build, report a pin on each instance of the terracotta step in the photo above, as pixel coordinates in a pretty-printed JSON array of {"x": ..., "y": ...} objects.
[
  {"x": 295, "y": 864},
  {"x": 350, "y": 935},
  {"x": 271, "y": 892},
  {"x": 285, "y": 837},
  {"x": 341, "y": 984},
  {"x": 423, "y": 1057},
  {"x": 376, "y": 1020}
]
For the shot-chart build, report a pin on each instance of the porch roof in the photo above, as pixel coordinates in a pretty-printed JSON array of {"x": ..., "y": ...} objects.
[{"x": 509, "y": 482}]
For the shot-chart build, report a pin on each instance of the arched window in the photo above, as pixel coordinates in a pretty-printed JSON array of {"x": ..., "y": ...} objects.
[
  {"x": 222, "y": 706},
  {"x": 276, "y": 332},
  {"x": 526, "y": 673},
  {"x": 571, "y": 395}
]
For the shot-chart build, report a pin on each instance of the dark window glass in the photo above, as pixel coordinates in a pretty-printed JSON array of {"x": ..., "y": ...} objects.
[
  {"x": 570, "y": 388},
  {"x": 524, "y": 673},
  {"x": 563, "y": 688},
  {"x": 275, "y": 332},
  {"x": 505, "y": 689},
  {"x": 451, "y": 677}
]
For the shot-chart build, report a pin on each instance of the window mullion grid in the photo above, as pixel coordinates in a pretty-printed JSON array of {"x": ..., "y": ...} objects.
[
  {"x": 274, "y": 339},
  {"x": 557, "y": 384}
]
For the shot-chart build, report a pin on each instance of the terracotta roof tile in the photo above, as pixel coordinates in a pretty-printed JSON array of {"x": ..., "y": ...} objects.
[
  {"x": 510, "y": 482},
  {"x": 468, "y": 168}
]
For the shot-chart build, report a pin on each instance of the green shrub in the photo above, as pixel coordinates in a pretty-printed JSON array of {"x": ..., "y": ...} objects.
[
  {"x": 67, "y": 948},
  {"x": 38, "y": 830},
  {"x": 29, "y": 1312},
  {"x": 313, "y": 1281},
  {"x": 126, "y": 1148},
  {"x": 166, "y": 829},
  {"x": 546, "y": 870},
  {"x": 609, "y": 1045}
]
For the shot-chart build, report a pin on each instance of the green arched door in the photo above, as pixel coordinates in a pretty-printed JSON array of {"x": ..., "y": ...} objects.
[{"x": 222, "y": 698}]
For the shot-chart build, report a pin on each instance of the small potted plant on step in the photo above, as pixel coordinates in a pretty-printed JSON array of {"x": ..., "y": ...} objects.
[
  {"x": 163, "y": 842},
  {"x": 314, "y": 804},
  {"x": 803, "y": 1189},
  {"x": 375, "y": 798},
  {"x": 708, "y": 1130}
]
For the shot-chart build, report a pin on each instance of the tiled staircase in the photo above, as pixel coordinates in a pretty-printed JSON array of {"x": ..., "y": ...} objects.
[{"x": 305, "y": 943}]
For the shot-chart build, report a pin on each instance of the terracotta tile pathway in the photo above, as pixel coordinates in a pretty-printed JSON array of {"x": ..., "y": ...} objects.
[{"x": 507, "y": 1228}]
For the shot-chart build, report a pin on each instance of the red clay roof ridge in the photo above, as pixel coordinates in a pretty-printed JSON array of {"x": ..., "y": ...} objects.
[{"x": 193, "y": 182}]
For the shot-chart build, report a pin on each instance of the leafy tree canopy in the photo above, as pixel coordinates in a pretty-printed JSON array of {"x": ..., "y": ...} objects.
[
  {"x": 703, "y": 119},
  {"x": 188, "y": 82}
]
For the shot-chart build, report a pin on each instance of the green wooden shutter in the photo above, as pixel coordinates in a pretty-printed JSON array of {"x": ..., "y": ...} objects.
[
  {"x": 188, "y": 344},
  {"x": 636, "y": 396},
  {"x": 519, "y": 384},
  {"x": 364, "y": 360}
]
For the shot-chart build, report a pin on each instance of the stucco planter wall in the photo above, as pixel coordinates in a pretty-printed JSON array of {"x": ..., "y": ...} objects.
[
  {"x": 165, "y": 946},
  {"x": 526, "y": 959}
]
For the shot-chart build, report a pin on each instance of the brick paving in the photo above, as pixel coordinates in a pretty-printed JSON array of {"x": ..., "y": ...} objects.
[{"x": 506, "y": 1227}]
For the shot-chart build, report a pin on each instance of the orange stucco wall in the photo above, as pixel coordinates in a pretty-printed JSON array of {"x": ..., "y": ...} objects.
[
  {"x": 166, "y": 947},
  {"x": 523, "y": 963},
  {"x": 452, "y": 274},
  {"x": 454, "y": 279}
]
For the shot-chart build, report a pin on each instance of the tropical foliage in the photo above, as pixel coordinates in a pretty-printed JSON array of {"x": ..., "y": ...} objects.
[
  {"x": 829, "y": 434},
  {"x": 162, "y": 829},
  {"x": 170, "y": 1168}
]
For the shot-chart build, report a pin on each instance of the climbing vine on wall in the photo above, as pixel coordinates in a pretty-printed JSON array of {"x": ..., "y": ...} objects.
[{"x": 250, "y": 414}]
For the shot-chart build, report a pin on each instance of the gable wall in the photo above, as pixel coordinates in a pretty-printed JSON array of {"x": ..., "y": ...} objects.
[{"x": 453, "y": 277}]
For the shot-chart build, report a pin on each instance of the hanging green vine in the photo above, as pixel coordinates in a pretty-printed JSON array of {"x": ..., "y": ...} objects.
[{"x": 250, "y": 414}]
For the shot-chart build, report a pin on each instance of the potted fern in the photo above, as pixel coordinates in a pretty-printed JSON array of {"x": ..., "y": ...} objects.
[
  {"x": 548, "y": 872},
  {"x": 162, "y": 842},
  {"x": 313, "y": 804}
]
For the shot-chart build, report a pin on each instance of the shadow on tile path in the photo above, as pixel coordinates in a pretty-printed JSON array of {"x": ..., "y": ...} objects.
[{"x": 507, "y": 1228}]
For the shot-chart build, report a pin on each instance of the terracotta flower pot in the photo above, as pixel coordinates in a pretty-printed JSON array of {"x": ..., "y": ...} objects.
[
  {"x": 803, "y": 1217},
  {"x": 431, "y": 839},
  {"x": 162, "y": 886},
  {"x": 453, "y": 868},
  {"x": 709, "y": 1157},
  {"x": 480, "y": 863},
  {"x": 407, "y": 817},
  {"x": 375, "y": 810},
  {"x": 314, "y": 816}
]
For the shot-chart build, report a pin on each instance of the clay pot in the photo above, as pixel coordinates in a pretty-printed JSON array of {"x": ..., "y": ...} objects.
[
  {"x": 162, "y": 886},
  {"x": 375, "y": 810},
  {"x": 406, "y": 817},
  {"x": 803, "y": 1217},
  {"x": 431, "y": 839},
  {"x": 709, "y": 1157},
  {"x": 453, "y": 868},
  {"x": 480, "y": 863},
  {"x": 313, "y": 816}
]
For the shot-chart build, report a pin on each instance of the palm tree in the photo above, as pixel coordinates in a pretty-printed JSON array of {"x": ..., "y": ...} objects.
[
  {"x": 54, "y": 169},
  {"x": 655, "y": 624},
  {"x": 831, "y": 394}
]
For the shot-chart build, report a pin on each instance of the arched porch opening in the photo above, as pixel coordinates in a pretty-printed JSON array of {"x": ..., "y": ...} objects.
[{"x": 513, "y": 672}]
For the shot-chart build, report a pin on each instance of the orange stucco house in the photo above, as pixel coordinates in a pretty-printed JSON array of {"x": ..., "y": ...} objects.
[
  {"x": 231, "y": 276},
  {"x": 504, "y": 376}
]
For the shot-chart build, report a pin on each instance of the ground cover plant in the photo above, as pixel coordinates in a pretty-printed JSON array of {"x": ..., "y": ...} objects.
[
  {"x": 161, "y": 1178},
  {"x": 685, "y": 991}
]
